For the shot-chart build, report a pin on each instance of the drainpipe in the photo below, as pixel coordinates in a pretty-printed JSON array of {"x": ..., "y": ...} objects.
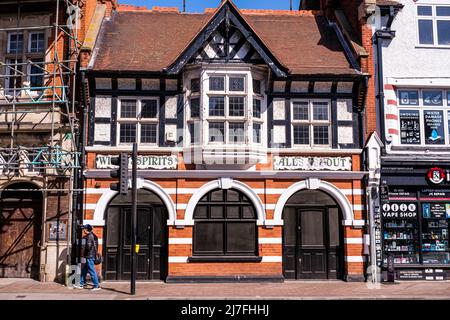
[
  {"x": 373, "y": 187},
  {"x": 77, "y": 218},
  {"x": 380, "y": 35}
]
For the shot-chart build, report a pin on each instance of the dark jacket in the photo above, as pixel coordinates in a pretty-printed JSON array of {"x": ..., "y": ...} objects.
[{"x": 90, "y": 248}]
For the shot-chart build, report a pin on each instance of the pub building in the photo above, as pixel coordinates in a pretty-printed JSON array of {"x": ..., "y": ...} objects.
[{"x": 249, "y": 132}]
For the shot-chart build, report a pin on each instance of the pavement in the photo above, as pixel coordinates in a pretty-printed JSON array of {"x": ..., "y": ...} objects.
[{"x": 26, "y": 289}]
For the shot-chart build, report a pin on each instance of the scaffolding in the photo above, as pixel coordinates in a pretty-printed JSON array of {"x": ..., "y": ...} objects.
[{"x": 38, "y": 92}]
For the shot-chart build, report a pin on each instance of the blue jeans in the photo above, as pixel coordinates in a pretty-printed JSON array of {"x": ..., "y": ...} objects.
[{"x": 89, "y": 267}]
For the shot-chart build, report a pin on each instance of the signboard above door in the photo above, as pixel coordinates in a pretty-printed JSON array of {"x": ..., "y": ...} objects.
[
  {"x": 143, "y": 162},
  {"x": 313, "y": 163}
]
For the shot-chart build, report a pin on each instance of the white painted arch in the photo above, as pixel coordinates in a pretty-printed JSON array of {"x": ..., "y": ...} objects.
[
  {"x": 224, "y": 183},
  {"x": 315, "y": 184},
  {"x": 105, "y": 199}
]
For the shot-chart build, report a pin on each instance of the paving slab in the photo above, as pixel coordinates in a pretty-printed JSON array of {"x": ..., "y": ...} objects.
[{"x": 26, "y": 289}]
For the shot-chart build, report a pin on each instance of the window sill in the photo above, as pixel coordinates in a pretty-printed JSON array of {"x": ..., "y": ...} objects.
[
  {"x": 224, "y": 259},
  {"x": 424, "y": 46}
]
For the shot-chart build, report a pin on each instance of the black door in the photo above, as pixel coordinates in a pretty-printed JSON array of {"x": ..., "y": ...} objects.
[
  {"x": 312, "y": 243},
  {"x": 151, "y": 238},
  {"x": 312, "y": 251}
]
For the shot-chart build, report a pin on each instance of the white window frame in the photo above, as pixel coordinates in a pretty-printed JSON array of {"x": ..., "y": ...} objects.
[
  {"x": 29, "y": 41},
  {"x": 9, "y": 74},
  {"x": 260, "y": 120},
  {"x": 8, "y": 49},
  {"x": 227, "y": 119},
  {"x": 434, "y": 18},
  {"x": 138, "y": 120},
  {"x": 189, "y": 119},
  {"x": 445, "y": 108},
  {"x": 311, "y": 123},
  {"x": 204, "y": 74}
]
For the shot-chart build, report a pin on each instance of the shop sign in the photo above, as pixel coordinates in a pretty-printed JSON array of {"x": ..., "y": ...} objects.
[
  {"x": 436, "y": 175},
  {"x": 313, "y": 163},
  {"x": 399, "y": 210},
  {"x": 403, "y": 194},
  {"x": 143, "y": 162},
  {"x": 435, "y": 194},
  {"x": 436, "y": 210}
]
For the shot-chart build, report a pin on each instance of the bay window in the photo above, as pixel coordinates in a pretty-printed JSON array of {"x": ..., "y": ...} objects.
[
  {"x": 258, "y": 99},
  {"x": 311, "y": 123},
  {"x": 424, "y": 117},
  {"x": 138, "y": 121},
  {"x": 225, "y": 109},
  {"x": 433, "y": 24},
  {"x": 226, "y": 116}
]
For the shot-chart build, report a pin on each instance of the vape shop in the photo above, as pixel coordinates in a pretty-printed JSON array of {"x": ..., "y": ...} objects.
[{"x": 414, "y": 221}]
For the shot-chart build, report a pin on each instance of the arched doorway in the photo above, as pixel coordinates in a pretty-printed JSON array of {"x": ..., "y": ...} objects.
[
  {"x": 151, "y": 237},
  {"x": 20, "y": 231},
  {"x": 312, "y": 237}
]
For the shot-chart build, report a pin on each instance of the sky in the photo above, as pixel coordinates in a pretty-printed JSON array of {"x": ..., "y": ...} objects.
[{"x": 200, "y": 5}]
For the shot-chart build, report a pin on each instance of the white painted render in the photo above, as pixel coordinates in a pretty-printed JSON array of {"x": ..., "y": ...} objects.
[
  {"x": 404, "y": 60},
  {"x": 407, "y": 64}
]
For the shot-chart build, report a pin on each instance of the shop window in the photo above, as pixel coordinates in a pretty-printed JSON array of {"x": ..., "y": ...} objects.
[
  {"x": 415, "y": 226},
  {"x": 433, "y": 23},
  {"x": 311, "y": 123},
  {"x": 423, "y": 117},
  {"x": 138, "y": 121},
  {"x": 225, "y": 225},
  {"x": 435, "y": 249}
]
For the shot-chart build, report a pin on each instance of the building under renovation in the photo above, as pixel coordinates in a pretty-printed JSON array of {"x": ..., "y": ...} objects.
[{"x": 39, "y": 46}]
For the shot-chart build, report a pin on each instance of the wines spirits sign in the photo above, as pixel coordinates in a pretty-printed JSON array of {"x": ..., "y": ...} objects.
[
  {"x": 143, "y": 162},
  {"x": 313, "y": 163}
]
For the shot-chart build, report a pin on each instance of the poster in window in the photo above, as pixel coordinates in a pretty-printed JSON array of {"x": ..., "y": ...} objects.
[
  {"x": 409, "y": 126},
  {"x": 409, "y": 97},
  {"x": 432, "y": 98},
  {"x": 434, "y": 210},
  {"x": 434, "y": 126}
]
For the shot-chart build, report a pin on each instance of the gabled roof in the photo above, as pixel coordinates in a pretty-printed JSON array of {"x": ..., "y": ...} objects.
[
  {"x": 297, "y": 42},
  {"x": 228, "y": 14}
]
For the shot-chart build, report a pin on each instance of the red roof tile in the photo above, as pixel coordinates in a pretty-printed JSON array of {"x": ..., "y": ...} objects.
[{"x": 138, "y": 40}]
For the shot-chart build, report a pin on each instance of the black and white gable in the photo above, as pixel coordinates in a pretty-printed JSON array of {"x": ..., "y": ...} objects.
[
  {"x": 228, "y": 37},
  {"x": 229, "y": 45}
]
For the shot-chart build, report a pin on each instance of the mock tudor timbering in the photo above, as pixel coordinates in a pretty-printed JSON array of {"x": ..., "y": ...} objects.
[{"x": 228, "y": 92}]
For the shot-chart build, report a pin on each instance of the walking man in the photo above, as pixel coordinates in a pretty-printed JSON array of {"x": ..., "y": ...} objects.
[{"x": 89, "y": 253}]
